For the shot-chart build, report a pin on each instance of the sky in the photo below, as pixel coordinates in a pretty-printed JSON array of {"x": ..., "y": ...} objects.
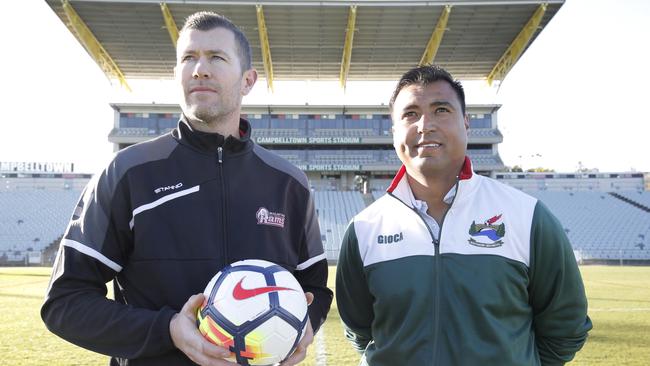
[{"x": 575, "y": 99}]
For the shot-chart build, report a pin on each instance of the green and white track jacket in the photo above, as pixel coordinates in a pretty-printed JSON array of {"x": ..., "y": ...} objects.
[{"x": 500, "y": 287}]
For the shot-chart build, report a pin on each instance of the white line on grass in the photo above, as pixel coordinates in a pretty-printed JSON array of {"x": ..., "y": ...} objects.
[{"x": 321, "y": 352}]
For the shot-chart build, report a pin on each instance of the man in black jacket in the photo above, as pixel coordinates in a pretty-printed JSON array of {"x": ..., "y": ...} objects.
[{"x": 167, "y": 214}]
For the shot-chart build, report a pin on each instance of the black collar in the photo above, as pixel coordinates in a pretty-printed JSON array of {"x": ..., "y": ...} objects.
[{"x": 209, "y": 142}]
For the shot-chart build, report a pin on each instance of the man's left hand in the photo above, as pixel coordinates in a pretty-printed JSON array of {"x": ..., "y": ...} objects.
[{"x": 301, "y": 351}]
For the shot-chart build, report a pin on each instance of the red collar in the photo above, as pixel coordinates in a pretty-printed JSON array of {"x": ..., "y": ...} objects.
[
  {"x": 466, "y": 170},
  {"x": 465, "y": 173}
]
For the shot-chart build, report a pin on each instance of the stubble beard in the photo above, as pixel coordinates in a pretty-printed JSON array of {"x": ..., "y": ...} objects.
[{"x": 210, "y": 117}]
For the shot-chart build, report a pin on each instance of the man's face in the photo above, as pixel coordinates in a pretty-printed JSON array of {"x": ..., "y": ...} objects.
[
  {"x": 209, "y": 71},
  {"x": 429, "y": 129}
]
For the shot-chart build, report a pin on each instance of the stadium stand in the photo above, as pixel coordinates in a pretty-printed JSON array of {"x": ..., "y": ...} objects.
[
  {"x": 599, "y": 225},
  {"x": 575, "y": 181},
  {"x": 32, "y": 219},
  {"x": 335, "y": 209},
  {"x": 132, "y": 131},
  {"x": 323, "y": 130},
  {"x": 485, "y": 160},
  {"x": 296, "y": 157},
  {"x": 602, "y": 226},
  {"x": 484, "y": 132},
  {"x": 639, "y": 197},
  {"x": 337, "y": 146}
]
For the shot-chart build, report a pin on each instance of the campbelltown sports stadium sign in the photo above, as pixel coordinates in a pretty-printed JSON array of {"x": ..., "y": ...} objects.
[
  {"x": 307, "y": 140},
  {"x": 35, "y": 167},
  {"x": 328, "y": 167}
]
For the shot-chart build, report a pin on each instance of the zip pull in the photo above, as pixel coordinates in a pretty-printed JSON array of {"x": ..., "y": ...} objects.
[{"x": 220, "y": 154}]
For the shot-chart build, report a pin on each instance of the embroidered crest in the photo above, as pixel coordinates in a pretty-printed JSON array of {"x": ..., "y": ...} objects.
[
  {"x": 266, "y": 217},
  {"x": 490, "y": 230}
]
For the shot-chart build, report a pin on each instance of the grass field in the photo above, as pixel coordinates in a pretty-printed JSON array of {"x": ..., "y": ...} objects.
[{"x": 619, "y": 305}]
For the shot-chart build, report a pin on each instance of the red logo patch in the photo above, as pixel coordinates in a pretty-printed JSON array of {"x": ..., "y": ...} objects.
[{"x": 240, "y": 293}]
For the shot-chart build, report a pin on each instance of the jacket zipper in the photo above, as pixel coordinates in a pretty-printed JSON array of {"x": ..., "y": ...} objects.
[
  {"x": 436, "y": 258},
  {"x": 436, "y": 315},
  {"x": 223, "y": 207}
]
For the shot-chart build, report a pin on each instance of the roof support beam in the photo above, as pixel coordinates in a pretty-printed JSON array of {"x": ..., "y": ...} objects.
[
  {"x": 92, "y": 45},
  {"x": 266, "y": 49},
  {"x": 347, "y": 48},
  {"x": 517, "y": 47},
  {"x": 436, "y": 37},
  {"x": 170, "y": 24}
]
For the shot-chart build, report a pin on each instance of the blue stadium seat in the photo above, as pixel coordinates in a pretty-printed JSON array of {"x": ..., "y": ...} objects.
[
  {"x": 599, "y": 225},
  {"x": 335, "y": 210},
  {"x": 33, "y": 219}
]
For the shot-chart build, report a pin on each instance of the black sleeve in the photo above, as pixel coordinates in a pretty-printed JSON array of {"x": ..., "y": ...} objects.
[
  {"x": 92, "y": 253},
  {"x": 314, "y": 280},
  {"x": 313, "y": 271}
]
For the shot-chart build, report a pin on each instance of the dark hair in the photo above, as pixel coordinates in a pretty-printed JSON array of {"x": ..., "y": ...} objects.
[
  {"x": 426, "y": 75},
  {"x": 207, "y": 20}
]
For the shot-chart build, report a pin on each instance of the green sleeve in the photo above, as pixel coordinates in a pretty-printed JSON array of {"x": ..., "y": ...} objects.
[
  {"x": 353, "y": 298},
  {"x": 557, "y": 294}
]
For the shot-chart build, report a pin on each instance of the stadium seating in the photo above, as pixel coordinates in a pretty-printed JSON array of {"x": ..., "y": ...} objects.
[
  {"x": 354, "y": 157},
  {"x": 277, "y": 132},
  {"x": 480, "y": 121},
  {"x": 480, "y": 158},
  {"x": 484, "y": 159},
  {"x": 293, "y": 125},
  {"x": 390, "y": 157},
  {"x": 33, "y": 219},
  {"x": 257, "y": 121},
  {"x": 599, "y": 225},
  {"x": 132, "y": 131},
  {"x": 640, "y": 197},
  {"x": 483, "y": 132},
  {"x": 377, "y": 194},
  {"x": 343, "y": 157},
  {"x": 335, "y": 209},
  {"x": 296, "y": 157}
]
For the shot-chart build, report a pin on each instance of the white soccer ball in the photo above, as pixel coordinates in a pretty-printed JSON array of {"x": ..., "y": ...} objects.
[{"x": 256, "y": 309}]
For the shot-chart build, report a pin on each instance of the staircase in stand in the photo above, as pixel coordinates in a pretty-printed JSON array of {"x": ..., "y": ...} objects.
[{"x": 631, "y": 202}]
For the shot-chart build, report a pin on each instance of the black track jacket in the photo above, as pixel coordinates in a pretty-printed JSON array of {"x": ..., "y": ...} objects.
[{"x": 160, "y": 221}]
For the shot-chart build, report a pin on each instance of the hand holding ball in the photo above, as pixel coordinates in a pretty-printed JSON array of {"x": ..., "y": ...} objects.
[{"x": 256, "y": 309}]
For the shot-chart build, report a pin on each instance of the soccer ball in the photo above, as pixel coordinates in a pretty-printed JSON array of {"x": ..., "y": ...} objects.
[{"x": 256, "y": 309}]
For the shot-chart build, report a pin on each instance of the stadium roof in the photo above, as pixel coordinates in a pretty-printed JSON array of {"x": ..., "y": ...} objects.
[{"x": 473, "y": 39}]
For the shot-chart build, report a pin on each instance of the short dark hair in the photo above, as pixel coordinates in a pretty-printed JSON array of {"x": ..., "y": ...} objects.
[
  {"x": 425, "y": 75},
  {"x": 207, "y": 20}
]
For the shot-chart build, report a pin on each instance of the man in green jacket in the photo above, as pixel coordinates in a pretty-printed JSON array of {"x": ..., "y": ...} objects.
[{"x": 450, "y": 267}]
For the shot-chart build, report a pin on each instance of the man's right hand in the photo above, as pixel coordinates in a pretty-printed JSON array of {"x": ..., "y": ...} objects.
[{"x": 188, "y": 339}]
